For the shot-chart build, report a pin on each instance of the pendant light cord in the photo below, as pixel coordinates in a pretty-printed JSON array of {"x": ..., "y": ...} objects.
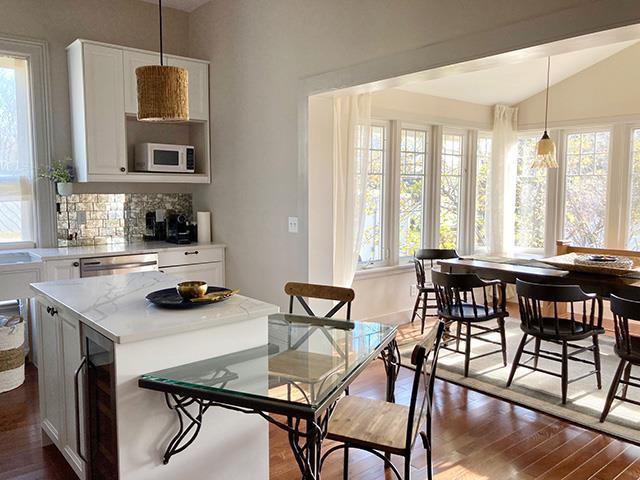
[
  {"x": 160, "y": 14},
  {"x": 546, "y": 108}
]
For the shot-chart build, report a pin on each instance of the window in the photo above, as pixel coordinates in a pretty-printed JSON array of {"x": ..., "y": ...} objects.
[
  {"x": 587, "y": 163},
  {"x": 16, "y": 164},
  {"x": 372, "y": 245},
  {"x": 450, "y": 189},
  {"x": 634, "y": 213},
  {"x": 483, "y": 160},
  {"x": 530, "y": 199},
  {"x": 413, "y": 155}
]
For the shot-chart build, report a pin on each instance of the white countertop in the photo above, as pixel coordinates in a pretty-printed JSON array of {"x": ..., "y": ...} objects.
[{"x": 115, "y": 306}]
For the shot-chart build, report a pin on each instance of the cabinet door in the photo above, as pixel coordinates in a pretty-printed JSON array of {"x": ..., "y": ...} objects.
[
  {"x": 198, "y": 87},
  {"x": 133, "y": 60},
  {"x": 50, "y": 375},
  {"x": 212, "y": 273},
  {"x": 62, "y": 269},
  {"x": 71, "y": 358},
  {"x": 104, "y": 110}
]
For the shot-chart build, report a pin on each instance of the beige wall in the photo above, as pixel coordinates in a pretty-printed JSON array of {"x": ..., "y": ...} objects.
[
  {"x": 261, "y": 52},
  {"x": 124, "y": 22},
  {"x": 606, "y": 91},
  {"x": 421, "y": 108}
]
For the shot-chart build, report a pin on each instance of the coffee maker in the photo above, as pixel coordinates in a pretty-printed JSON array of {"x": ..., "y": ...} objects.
[
  {"x": 178, "y": 230},
  {"x": 155, "y": 225}
]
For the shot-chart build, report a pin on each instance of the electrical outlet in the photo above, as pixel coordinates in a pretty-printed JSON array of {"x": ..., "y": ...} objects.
[
  {"x": 293, "y": 224},
  {"x": 412, "y": 291}
]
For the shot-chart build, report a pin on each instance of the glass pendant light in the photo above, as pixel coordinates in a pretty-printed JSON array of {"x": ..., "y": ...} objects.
[
  {"x": 163, "y": 91},
  {"x": 546, "y": 151}
]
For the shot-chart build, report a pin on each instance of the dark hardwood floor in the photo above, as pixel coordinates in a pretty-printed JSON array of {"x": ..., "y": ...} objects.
[{"x": 476, "y": 437}]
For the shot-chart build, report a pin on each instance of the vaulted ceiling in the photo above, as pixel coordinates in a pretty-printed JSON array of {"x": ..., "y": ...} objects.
[{"x": 513, "y": 83}]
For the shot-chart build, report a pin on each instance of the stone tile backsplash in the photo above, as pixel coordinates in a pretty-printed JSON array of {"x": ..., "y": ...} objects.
[{"x": 100, "y": 219}]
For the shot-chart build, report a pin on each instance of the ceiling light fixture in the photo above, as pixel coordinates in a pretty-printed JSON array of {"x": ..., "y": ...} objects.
[
  {"x": 546, "y": 149},
  {"x": 163, "y": 91}
]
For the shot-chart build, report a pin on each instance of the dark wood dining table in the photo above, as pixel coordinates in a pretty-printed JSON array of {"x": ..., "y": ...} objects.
[{"x": 509, "y": 269}]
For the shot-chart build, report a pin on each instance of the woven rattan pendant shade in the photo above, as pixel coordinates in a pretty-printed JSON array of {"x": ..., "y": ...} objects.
[{"x": 163, "y": 93}]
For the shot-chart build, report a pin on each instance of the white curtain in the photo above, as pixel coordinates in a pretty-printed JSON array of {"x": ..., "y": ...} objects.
[
  {"x": 351, "y": 122},
  {"x": 501, "y": 188}
]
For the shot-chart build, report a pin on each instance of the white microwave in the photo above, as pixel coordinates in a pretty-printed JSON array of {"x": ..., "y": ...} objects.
[{"x": 161, "y": 157}]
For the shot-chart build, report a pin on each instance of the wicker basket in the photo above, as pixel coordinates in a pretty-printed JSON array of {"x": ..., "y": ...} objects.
[{"x": 11, "y": 354}]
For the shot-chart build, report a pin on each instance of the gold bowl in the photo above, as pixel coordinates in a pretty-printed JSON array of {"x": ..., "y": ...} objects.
[{"x": 189, "y": 290}]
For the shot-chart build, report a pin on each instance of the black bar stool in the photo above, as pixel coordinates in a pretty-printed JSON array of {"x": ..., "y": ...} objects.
[
  {"x": 627, "y": 348},
  {"x": 425, "y": 289},
  {"x": 534, "y": 301}
]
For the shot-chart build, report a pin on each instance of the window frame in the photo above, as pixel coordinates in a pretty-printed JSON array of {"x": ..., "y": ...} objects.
[
  {"x": 37, "y": 55},
  {"x": 473, "y": 191},
  {"x": 561, "y": 155},
  {"x": 386, "y": 201}
]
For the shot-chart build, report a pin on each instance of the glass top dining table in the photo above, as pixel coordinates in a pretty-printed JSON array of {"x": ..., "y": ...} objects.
[{"x": 300, "y": 373}]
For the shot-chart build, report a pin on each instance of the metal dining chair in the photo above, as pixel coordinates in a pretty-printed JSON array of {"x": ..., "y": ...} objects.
[
  {"x": 583, "y": 323},
  {"x": 384, "y": 428},
  {"x": 627, "y": 348},
  {"x": 426, "y": 289},
  {"x": 458, "y": 303}
]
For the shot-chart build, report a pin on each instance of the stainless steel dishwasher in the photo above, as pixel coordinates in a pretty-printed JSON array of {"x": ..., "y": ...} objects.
[{"x": 115, "y": 265}]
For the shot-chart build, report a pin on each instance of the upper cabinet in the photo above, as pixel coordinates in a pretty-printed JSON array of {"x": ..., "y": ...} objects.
[
  {"x": 97, "y": 111},
  {"x": 104, "y": 105}
]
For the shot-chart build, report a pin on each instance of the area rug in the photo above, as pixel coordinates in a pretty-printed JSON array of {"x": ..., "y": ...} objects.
[{"x": 542, "y": 392}]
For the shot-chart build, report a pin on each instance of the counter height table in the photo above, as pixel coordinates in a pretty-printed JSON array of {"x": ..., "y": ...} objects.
[
  {"x": 300, "y": 374},
  {"x": 508, "y": 269}
]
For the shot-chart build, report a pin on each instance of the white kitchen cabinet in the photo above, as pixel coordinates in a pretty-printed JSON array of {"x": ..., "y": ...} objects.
[
  {"x": 64, "y": 269},
  {"x": 132, "y": 60},
  {"x": 212, "y": 273},
  {"x": 71, "y": 358},
  {"x": 97, "y": 110},
  {"x": 198, "y": 86},
  {"x": 50, "y": 375}
]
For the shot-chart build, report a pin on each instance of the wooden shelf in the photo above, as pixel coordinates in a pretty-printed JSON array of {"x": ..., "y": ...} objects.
[{"x": 142, "y": 177}]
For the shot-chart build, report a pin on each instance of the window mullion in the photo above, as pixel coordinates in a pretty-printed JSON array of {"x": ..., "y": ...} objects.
[
  {"x": 393, "y": 198},
  {"x": 468, "y": 207},
  {"x": 433, "y": 228}
]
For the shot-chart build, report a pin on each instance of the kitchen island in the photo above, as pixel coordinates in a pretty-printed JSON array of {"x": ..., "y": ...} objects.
[{"x": 106, "y": 323}]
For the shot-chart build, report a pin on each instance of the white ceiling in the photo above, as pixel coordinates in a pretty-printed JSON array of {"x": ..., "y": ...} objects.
[
  {"x": 186, "y": 5},
  {"x": 511, "y": 84}
]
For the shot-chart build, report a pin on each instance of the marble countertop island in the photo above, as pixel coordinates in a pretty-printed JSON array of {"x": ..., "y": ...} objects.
[{"x": 116, "y": 306}]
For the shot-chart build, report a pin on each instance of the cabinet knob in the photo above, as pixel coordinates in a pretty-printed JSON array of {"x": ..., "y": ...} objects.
[
  {"x": 76, "y": 264},
  {"x": 122, "y": 169},
  {"x": 49, "y": 310},
  {"x": 195, "y": 252},
  {"x": 52, "y": 311}
]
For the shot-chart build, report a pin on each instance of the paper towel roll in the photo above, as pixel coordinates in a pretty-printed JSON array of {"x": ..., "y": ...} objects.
[{"x": 204, "y": 227}]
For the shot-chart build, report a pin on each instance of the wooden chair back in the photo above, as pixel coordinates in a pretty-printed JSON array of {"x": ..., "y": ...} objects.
[
  {"x": 582, "y": 307},
  {"x": 625, "y": 312},
  {"x": 344, "y": 296},
  {"x": 453, "y": 290},
  {"x": 424, "y": 360},
  {"x": 420, "y": 275},
  {"x": 435, "y": 254}
]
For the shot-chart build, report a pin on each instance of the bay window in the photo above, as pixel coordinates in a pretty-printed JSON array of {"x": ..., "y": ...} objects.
[
  {"x": 451, "y": 167},
  {"x": 530, "y": 196},
  {"x": 633, "y": 241},
  {"x": 483, "y": 160},
  {"x": 587, "y": 166},
  {"x": 413, "y": 164},
  {"x": 372, "y": 247}
]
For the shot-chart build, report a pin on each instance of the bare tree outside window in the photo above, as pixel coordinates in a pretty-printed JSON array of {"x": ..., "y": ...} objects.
[
  {"x": 450, "y": 189},
  {"x": 413, "y": 155},
  {"x": 586, "y": 188}
]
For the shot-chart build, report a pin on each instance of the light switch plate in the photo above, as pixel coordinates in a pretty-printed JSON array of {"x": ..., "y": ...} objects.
[{"x": 293, "y": 224}]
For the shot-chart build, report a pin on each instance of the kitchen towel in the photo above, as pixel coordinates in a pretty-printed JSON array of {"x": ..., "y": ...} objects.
[{"x": 204, "y": 227}]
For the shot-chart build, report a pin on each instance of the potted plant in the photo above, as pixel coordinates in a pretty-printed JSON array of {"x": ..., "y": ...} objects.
[{"x": 60, "y": 173}]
